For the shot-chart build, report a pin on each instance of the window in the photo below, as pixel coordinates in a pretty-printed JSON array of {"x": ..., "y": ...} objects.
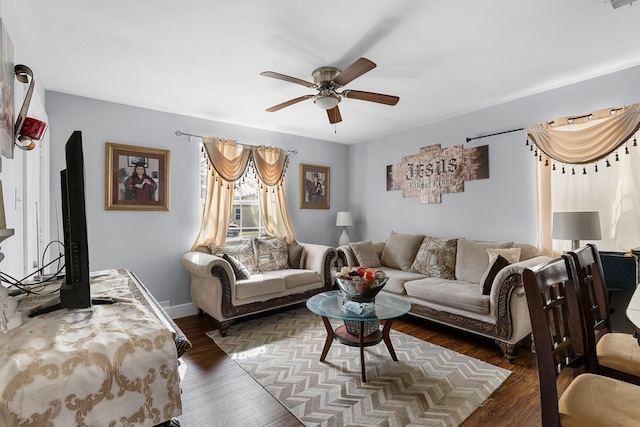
[
  {"x": 575, "y": 172},
  {"x": 246, "y": 217},
  {"x": 246, "y": 206},
  {"x": 613, "y": 191}
]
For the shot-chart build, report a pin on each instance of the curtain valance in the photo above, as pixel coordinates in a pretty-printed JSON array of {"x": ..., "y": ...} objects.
[
  {"x": 270, "y": 163},
  {"x": 227, "y": 158},
  {"x": 587, "y": 138},
  {"x": 230, "y": 160}
]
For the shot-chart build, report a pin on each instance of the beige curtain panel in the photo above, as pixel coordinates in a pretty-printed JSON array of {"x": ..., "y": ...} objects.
[
  {"x": 588, "y": 138},
  {"x": 271, "y": 164},
  {"x": 230, "y": 162}
]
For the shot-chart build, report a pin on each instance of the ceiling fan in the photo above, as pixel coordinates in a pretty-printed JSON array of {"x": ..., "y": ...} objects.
[{"x": 327, "y": 81}]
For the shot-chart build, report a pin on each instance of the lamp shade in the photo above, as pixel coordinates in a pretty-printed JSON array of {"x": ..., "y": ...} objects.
[
  {"x": 344, "y": 219},
  {"x": 576, "y": 226},
  {"x": 327, "y": 102}
]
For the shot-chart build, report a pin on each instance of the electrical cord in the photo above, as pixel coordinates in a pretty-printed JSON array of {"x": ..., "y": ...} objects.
[
  {"x": 60, "y": 254},
  {"x": 28, "y": 288}
]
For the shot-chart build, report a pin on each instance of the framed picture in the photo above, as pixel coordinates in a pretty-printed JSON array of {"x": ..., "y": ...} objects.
[
  {"x": 7, "y": 77},
  {"x": 136, "y": 178},
  {"x": 314, "y": 186}
]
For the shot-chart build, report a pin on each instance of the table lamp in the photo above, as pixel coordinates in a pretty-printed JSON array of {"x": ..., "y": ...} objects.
[
  {"x": 344, "y": 220},
  {"x": 576, "y": 226}
]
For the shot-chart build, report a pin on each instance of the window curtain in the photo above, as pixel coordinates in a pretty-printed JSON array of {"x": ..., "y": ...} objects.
[
  {"x": 227, "y": 163},
  {"x": 573, "y": 182},
  {"x": 271, "y": 164}
]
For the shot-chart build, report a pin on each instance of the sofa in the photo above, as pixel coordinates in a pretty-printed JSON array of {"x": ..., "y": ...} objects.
[
  {"x": 467, "y": 284},
  {"x": 254, "y": 275}
]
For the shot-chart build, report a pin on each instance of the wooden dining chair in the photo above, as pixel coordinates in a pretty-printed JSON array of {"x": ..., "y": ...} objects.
[
  {"x": 610, "y": 353},
  {"x": 569, "y": 395}
]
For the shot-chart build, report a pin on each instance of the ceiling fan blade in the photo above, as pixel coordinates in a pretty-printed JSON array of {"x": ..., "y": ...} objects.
[
  {"x": 354, "y": 71},
  {"x": 371, "y": 97},
  {"x": 289, "y": 102},
  {"x": 290, "y": 79},
  {"x": 334, "y": 115}
]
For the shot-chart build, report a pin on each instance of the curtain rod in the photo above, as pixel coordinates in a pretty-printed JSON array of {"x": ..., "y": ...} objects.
[
  {"x": 494, "y": 134},
  {"x": 180, "y": 133}
]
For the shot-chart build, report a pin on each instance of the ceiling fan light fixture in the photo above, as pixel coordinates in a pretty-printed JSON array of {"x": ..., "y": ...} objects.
[
  {"x": 619, "y": 3},
  {"x": 327, "y": 101}
]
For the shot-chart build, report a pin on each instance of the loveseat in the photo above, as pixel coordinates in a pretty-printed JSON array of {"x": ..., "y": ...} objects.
[
  {"x": 471, "y": 285},
  {"x": 255, "y": 275}
]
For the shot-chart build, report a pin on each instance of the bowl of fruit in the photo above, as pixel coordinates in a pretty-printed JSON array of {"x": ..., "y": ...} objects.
[{"x": 360, "y": 284}]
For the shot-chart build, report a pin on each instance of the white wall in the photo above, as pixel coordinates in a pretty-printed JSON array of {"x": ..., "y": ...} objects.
[
  {"x": 151, "y": 244},
  {"x": 499, "y": 208},
  {"x": 12, "y": 175}
]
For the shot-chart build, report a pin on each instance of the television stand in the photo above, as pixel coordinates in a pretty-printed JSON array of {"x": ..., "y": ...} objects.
[
  {"x": 58, "y": 306},
  {"x": 113, "y": 362}
]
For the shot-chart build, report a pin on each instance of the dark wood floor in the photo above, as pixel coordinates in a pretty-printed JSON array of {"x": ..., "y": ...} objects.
[{"x": 217, "y": 392}]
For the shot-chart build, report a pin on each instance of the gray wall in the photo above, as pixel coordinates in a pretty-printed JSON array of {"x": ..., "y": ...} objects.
[
  {"x": 500, "y": 207},
  {"x": 152, "y": 243}
]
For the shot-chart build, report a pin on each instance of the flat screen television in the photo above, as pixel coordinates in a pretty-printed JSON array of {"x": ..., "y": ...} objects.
[{"x": 75, "y": 290}]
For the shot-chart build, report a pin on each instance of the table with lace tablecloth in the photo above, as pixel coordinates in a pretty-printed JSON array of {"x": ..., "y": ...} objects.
[{"x": 112, "y": 364}]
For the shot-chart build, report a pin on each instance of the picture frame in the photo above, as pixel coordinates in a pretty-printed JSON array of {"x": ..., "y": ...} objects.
[
  {"x": 315, "y": 186},
  {"x": 125, "y": 189},
  {"x": 7, "y": 78}
]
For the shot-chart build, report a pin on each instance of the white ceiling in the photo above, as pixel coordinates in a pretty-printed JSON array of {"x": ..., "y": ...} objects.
[{"x": 203, "y": 58}]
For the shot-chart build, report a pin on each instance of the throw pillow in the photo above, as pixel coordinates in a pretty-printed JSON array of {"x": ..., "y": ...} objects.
[
  {"x": 243, "y": 252},
  {"x": 295, "y": 254},
  {"x": 511, "y": 254},
  {"x": 472, "y": 260},
  {"x": 489, "y": 276},
  {"x": 241, "y": 272},
  {"x": 400, "y": 250},
  {"x": 365, "y": 253},
  {"x": 271, "y": 254},
  {"x": 436, "y": 258}
]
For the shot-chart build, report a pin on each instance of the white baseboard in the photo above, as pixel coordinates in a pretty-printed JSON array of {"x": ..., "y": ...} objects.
[{"x": 182, "y": 310}]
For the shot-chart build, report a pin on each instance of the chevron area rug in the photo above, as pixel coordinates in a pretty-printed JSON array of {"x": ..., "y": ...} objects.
[{"x": 428, "y": 385}]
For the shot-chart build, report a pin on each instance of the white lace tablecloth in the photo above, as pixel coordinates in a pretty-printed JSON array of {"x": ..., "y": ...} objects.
[{"x": 107, "y": 365}]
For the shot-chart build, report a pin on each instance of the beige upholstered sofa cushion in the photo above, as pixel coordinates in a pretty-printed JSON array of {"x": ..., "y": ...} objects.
[
  {"x": 259, "y": 285},
  {"x": 450, "y": 293},
  {"x": 365, "y": 253},
  {"x": 296, "y": 278},
  {"x": 472, "y": 259},
  {"x": 527, "y": 251},
  {"x": 400, "y": 250},
  {"x": 397, "y": 279}
]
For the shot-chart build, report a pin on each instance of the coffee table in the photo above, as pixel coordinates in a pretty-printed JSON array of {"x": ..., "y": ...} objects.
[{"x": 330, "y": 305}]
